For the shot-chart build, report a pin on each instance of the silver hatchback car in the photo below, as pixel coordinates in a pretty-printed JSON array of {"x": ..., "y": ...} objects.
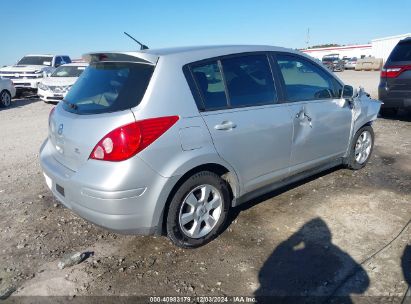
[{"x": 167, "y": 141}]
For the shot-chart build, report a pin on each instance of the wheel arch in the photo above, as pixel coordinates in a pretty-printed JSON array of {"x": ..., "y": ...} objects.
[{"x": 226, "y": 174}]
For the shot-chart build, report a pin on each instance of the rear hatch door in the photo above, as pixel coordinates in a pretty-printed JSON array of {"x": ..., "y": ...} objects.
[{"x": 99, "y": 102}]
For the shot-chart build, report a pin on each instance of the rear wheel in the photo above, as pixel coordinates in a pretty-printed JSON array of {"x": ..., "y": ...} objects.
[
  {"x": 5, "y": 98},
  {"x": 361, "y": 148},
  {"x": 198, "y": 210}
]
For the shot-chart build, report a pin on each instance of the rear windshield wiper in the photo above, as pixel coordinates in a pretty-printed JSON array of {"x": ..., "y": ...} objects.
[{"x": 70, "y": 105}]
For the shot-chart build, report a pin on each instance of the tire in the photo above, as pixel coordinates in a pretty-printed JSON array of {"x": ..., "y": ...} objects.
[
  {"x": 5, "y": 99},
  {"x": 388, "y": 112},
  {"x": 19, "y": 94},
  {"x": 189, "y": 202},
  {"x": 359, "y": 156}
]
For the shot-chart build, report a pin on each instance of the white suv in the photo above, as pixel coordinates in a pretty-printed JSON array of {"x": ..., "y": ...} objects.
[{"x": 29, "y": 71}]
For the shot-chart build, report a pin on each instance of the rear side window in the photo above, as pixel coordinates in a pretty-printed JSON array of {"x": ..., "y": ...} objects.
[
  {"x": 402, "y": 52},
  {"x": 249, "y": 80},
  {"x": 210, "y": 83},
  {"x": 305, "y": 81},
  {"x": 108, "y": 87}
]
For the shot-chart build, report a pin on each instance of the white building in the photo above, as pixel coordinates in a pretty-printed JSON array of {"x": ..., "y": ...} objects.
[
  {"x": 363, "y": 50},
  {"x": 382, "y": 47},
  {"x": 378, "y": 48}
]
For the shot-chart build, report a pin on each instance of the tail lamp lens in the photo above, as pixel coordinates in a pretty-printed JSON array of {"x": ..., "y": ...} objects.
[{"x": 128, "y": 140}]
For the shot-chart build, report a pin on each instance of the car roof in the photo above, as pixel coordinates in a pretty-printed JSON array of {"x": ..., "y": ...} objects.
[
  {"x": 406, "y": 39},
  {"x": 45, "y": 55},
  {"x": 196, "y": 53},
  {"x": 39, "y": 55}
]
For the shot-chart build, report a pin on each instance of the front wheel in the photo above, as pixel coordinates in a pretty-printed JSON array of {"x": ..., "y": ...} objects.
[
  {"x": 361, "y": 148},
  {"x": 198, "y": 210},
  {"x": 5, "y": 99}
]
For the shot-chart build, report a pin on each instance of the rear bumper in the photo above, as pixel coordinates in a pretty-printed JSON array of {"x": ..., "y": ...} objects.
[
  {"x": 96, "y": 193},
  {"x": 394, "y": 99}
]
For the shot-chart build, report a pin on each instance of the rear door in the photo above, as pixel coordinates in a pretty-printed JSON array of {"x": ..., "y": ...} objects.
[
  {"x": 249, "y": 128},
  {"x": 321, "y": 119}
]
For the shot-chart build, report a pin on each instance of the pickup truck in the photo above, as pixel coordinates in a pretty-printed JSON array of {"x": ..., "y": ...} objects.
[{"x": 30, "y": 70}]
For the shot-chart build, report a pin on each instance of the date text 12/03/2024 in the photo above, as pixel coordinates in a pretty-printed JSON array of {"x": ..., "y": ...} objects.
[{"x": 203, "y": 299}]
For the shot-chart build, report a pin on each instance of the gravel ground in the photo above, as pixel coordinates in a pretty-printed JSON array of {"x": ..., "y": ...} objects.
[{"x": 338, "y": 233}]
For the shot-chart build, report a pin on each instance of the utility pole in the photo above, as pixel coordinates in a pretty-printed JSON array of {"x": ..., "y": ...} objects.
[{"x": 307, "y": 41}]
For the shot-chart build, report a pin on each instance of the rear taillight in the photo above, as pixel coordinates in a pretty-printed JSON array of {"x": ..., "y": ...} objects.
[
  {"x": 51, "y": 113},
  {"x": 394, "y": 71},
  {"x": 128, "y": 140}
]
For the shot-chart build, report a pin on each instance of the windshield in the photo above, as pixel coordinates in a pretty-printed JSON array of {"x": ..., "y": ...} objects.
[
  {"x": 108, "y": 87},
  {"x": 35, "y": 60},
  {"x": 68, "y": 71}
]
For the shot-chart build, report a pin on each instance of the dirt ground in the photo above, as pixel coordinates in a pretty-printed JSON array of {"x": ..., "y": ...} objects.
[{"x": 341, "y": 233}]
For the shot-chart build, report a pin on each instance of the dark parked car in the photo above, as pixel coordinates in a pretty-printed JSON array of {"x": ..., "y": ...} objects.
[
  {"x": 395, "y": 84},
  {"x": 333, "y": 62}
]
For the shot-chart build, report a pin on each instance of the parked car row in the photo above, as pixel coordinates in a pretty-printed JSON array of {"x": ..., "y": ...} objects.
[
  {"x": 48, "y": 76},
  {"x": 335, "y": 64}
]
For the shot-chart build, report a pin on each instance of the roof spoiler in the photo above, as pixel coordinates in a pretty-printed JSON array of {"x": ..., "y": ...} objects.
[{"x": 139, "y": 57}]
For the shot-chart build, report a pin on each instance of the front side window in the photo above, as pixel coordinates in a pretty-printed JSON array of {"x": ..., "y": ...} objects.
[
  {"x": 210, "y": 83},
  {"x": 249, "y": 80},
  {"x": 108, "y": 87},
  {"x": 305, "y": 81}
]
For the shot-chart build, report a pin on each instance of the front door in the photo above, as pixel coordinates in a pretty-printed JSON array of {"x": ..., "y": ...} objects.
[{"x": 321, "y": 119}]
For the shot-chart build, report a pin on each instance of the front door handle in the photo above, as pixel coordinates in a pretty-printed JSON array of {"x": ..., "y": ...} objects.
[
  {"x": 225, "y": 125},
  {"x": 302, "y": 115}
]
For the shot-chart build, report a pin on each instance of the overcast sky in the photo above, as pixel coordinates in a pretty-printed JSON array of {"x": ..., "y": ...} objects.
[{"x": 76, "y": 27}]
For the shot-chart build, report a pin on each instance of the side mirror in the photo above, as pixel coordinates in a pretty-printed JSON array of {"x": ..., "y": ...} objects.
[{"x": 348, "y": 92}]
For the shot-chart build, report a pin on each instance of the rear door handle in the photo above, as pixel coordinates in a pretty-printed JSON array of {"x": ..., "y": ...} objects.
[{"x": 225, "y": 125}]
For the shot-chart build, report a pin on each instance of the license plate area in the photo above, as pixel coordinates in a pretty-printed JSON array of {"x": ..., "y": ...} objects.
[{"x": 60, "y": 189}]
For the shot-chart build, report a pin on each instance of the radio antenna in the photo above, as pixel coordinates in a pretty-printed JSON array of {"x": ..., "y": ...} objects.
[{"x": 142, "y": 46}]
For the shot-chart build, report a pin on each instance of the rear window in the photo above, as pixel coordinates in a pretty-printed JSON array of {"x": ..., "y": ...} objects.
[
  {"x": 402, "y": 52},
  {"x": 108, "y": 87}
]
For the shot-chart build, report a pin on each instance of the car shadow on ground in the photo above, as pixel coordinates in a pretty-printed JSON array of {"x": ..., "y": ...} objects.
[
  {"x": 402, "y": 115},
  {"x": 21, "y": 102},
  {"x": 234, "y": 212},
  {"x": 406, "y": 269},
  {"x": 309, "y": 268}
]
